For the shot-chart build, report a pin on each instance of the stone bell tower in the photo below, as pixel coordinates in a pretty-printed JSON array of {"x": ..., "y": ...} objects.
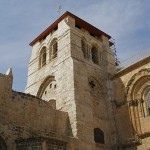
[{"x": 71, "y": 62}]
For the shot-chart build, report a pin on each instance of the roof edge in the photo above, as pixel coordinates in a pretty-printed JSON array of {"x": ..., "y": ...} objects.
[{"x": 54, "y": 25}]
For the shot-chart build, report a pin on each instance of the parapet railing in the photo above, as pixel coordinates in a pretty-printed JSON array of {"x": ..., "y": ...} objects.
[{"x": 134, "y": 59}]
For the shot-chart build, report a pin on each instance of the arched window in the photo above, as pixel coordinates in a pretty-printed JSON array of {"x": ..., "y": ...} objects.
[
  {"x": 43, "y": 57},
  {"x": 2, "y": 144},
  {"x": 99, "y": 136},
  {"x": 53, "y": 49},
  {"x": 148, "y": 102},
  {"x": 84, "y": 47},
  {"x": 94, "y": 53}
]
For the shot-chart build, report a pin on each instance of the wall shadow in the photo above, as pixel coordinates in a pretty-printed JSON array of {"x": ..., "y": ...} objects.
[{"x": 127, "y": 138}]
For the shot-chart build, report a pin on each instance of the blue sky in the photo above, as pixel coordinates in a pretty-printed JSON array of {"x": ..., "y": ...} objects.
[{"x": 127, "y": 21}]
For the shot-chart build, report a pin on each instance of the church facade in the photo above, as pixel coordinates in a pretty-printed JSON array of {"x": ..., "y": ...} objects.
[{"x": 75, "y": 98}]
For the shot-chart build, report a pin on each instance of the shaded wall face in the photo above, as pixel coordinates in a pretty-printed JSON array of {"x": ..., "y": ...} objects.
[
  {"x": 93, "y": 105},
  {"x": 122, "y": 113}
]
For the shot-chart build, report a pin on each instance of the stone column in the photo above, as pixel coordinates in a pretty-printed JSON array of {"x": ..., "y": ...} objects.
[
  {"x": 131, "y": 109},
  {"x": 133, "y": 106}
]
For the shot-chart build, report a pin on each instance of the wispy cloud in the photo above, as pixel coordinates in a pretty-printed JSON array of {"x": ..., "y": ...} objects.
[
  {"x": 21, "y": 21},
  {"x": 123, "y": 20}
]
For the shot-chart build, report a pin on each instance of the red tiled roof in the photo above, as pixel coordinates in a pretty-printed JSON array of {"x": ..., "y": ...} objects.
[{"x": 79, "y": 22}]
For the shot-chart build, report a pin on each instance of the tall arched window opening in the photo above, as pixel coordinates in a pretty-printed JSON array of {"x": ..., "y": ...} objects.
[
  {"x": 53, "y": 49},
  {"x": 84, "y": 48},
  {"x": 99, "y": 136},
  {"x": 148, "y": 102},
  {"x": 94, "y": 53},
  {"x": 43, "y": 57}
]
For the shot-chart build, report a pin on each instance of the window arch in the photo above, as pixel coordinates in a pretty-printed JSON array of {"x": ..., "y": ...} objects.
[
  {"x": 2, "y": 144},
  {"x": 84, "y": 47},
  {"x": 53, "y": 49},
  {"x": 43, "y": 57},
  {"x": 147, "y": 98},
  {"x": 99, "y": 136},
  {"x": 47, "y": 89},
  {"x": 94, "y": 53}
]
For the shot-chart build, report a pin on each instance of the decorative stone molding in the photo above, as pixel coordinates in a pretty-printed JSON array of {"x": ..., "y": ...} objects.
[{"x": 135, "y": 77}]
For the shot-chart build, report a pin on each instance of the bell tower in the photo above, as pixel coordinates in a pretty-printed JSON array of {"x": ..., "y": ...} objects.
[{"x": 71, "y": 62}]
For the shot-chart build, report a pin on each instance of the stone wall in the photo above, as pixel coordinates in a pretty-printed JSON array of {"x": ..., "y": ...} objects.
[
  {"x": 26, "y": 116},
  {"x": 40, "y": 144}
]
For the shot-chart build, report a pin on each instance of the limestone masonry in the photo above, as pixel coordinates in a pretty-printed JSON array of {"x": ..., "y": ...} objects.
[{"x": 75, "y": 97}]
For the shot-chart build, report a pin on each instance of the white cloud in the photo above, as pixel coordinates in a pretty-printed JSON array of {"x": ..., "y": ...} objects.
[
  {"x": 115, "y": 17},
  {"x": 124, "y": 20}
]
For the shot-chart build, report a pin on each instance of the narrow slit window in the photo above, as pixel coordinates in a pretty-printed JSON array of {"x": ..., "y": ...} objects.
[
  {"x": 99, "y": 136},
  {"x": 53, "y": 49},
  {"x": 94, "y": 53},
  {"x": 43, "y": 57},
  {"x": 84, "y": 48}
]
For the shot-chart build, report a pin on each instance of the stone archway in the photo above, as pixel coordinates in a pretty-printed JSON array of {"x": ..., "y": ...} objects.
[
  {"x": 47, "y": 89},
  {"x": 132, "y": 83},
  {"x": 138, "y": 86},
  {"x": 2, "y": 144}
]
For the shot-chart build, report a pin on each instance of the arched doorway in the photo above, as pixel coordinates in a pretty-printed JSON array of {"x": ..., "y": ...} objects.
[{"x": 138, "y": 98}]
